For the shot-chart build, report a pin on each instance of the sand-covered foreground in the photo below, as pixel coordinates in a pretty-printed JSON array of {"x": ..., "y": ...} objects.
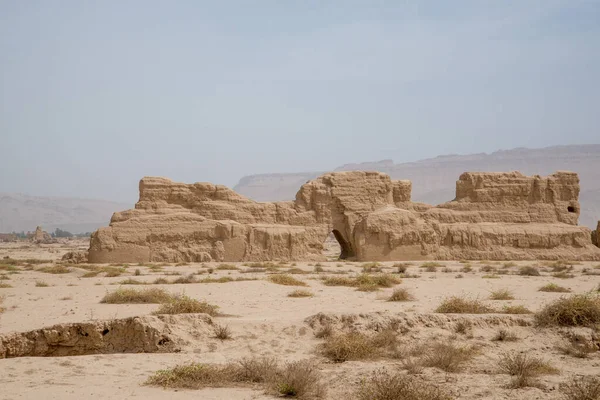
[{"x": 265, "y": 322}]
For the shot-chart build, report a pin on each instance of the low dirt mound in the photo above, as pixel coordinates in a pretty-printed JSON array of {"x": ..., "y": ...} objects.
[
  {"x": 378, "y": 321},
  {"x": 147, "y": 334}
]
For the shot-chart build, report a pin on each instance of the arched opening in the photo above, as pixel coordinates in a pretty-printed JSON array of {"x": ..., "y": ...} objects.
[
  {"x": 336, "y": 246},
  {"x": 571, "y": 209}
]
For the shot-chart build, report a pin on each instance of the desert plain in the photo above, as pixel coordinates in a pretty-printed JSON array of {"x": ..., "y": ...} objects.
[{"x": 457, "y": 330}]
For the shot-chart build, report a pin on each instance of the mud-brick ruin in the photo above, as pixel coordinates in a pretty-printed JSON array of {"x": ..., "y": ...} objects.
[{"x": 495, "y": 216}]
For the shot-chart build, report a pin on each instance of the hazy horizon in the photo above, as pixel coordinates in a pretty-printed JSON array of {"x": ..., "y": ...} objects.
[{"x": 96, "y": 95}]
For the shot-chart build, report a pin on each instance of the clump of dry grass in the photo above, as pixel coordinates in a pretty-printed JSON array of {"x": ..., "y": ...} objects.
[
  {"x": 357, "y": 346},
  {"x": 504, "y": 335},
  {"x": 401, "y": 294},
  {"x": 553, "y": 287},
  {"x": 447, "y": 356},
  {"x": 286, "y": 280},
  {"x": 41, "y": 284},
  {"x": 463, "y": 305},
  {"x": 1, "y": 301},
  {"x": 135, "y": 296},
  {"x": 502, "y": 294},
  {"x": 222, "y": 332},
  {"x": 187, "y": 305},
  {"x": 487, "y": 269},
  {"x": 466, "y": 268},
  {"x": 431, "y": 265},
  {"x": 576, "y": 310},
  {"x": 300, "y": 293},
  {"x": 383, "y": 385},
  {"x": 301, "y": 379},
  {"x": 582, "y": 388},
  {"x": 363, "y": 282},
  {"x": 371, "y": 267},
  {"x": 563, "y": 275},
  {"x": 524, "y": 369},
  {"x": 227, "y": 267},
  {"x": 131, "y": 281},
  {"x": 4, "y": 285},
  {"x": 520, "y": 309},
  {"x": 55, "y": 269},
  {"x": 529, "y": 271}
]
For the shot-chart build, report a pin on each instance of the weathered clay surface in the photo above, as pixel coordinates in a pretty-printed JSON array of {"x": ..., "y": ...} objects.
[
  {"x": 494, "y": 216},
  {"x": 148, "y": 334}
]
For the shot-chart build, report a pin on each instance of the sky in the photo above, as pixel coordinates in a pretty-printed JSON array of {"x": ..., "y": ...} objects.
[{"x": 95, "y": 95}]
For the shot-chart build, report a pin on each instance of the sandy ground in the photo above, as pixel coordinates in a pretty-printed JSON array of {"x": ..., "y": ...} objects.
[{"x": 265, "y": 322}]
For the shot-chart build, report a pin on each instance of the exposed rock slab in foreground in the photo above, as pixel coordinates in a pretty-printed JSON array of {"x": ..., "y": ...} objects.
[{"x": 494, "y": 216}]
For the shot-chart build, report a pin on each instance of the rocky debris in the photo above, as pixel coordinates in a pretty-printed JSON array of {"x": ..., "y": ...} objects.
[
  {"x": 495, "y": 216},
  {"x": 147, "y": 334},
  {"x": 42, "y": 237},
  {"x": 75, "y": 257},
  {"x": 596, "y": 235}
]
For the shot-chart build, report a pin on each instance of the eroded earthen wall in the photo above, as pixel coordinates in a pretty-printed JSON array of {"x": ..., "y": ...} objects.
[{"x": 494, "y": 216}]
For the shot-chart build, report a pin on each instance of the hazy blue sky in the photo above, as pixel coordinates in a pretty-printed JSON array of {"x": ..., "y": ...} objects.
[{"x": 96, "y": 94}]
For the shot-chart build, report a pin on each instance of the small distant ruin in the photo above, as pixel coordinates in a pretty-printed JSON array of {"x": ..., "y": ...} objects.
[
  {"x": 495, "y": 216},
  {"x": 42, "y": 237}
]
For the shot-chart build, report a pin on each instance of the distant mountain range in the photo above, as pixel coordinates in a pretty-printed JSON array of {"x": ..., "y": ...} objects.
[
  {"x": 434, "y": 179},
  {"x": 433, "y": 182},
  {"x": 19, "y": 212}
]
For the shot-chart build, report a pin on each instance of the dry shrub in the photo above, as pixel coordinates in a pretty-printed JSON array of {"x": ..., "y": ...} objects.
[
  {"x": 300, "y": 293},
  {"x": 222, "y": 332},
  {"x": 576, "y": 310},
  {"x": 187, "y": 305},
  {"x": 401, "y": 294},
  {"x": 463, "y": 327},
  {"x": 287, "y": 280},
  {"x": 401, "y": 267},
  {"x": 463, "y": 305},
  {"x": 487, "y": 269},
  {"x": 447, "y": 356},
  {"x": 412, "y": 365},
  {"x": 1, "y": 301},
  {"x": 582, "y": 388},
  {"x": 529, "y": 271},
  {"x": 358, "y": 346},
  {"x": 502, "y": 294},
  {"x": 324, "y": 332},
  {"x": 509, "y": 264},
  {"x": 504, "y": 335},
  {"x": 578, "y": 346},
  {"x": 467, "y": 268},
  {"x": 300, "y": 379},
  {"x": 161, "y": 281},
  {"x": 553, "y": 287},
  {"x": 55, "y": 269},
  {"x": 135, "y": 296},
  {"x": 41, "y": 284},
  {"x": 524, "y": 369},
  {"x": 515, "y": 310},
  {"x": 383, "y": 385},
  {"x": 257, "y": 370}
]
